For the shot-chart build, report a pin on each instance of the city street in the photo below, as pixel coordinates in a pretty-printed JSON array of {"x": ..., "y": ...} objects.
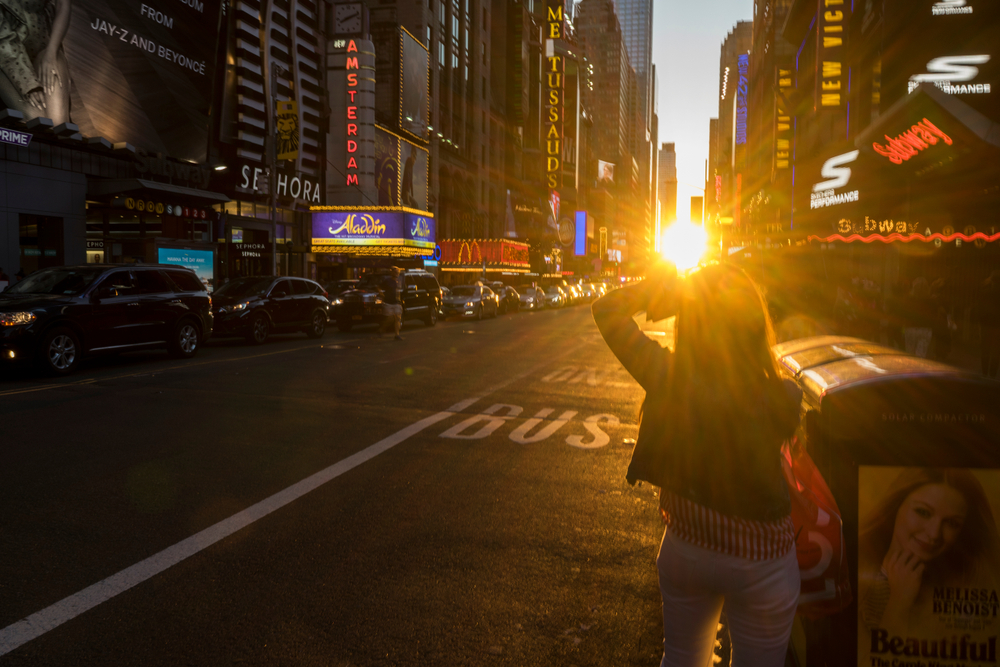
[{"x": 456, "y": 498}]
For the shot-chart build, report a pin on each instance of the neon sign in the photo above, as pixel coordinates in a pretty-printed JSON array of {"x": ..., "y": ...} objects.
[
  {"x": 352, "y": 113},
  {"x": 907, "y": 238},
  {"x": 397, "y": 228},
  {"x": 555, "y": 65},
  {"x": 911, "y": 142},
  {"x": 743, "y": 64}
]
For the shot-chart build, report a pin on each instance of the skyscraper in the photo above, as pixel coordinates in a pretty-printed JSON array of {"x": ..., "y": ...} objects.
[{"x": 667, "y": 185}]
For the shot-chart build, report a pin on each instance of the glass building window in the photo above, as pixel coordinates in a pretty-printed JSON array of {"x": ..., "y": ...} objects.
[{"x": 441, "y": 53}]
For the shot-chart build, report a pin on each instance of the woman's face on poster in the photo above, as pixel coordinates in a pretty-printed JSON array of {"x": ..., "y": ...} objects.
[{"x": 930, "y": 520}]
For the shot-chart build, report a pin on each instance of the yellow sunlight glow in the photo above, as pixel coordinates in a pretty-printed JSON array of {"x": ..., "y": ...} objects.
[{"x": 684, "y": 244}]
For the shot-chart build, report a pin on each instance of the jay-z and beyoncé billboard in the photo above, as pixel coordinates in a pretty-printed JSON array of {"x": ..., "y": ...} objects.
[{"x": 138, "y": 71}]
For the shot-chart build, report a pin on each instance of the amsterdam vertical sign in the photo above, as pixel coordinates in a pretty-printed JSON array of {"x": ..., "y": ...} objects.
[{"x": 555, "y": 67}]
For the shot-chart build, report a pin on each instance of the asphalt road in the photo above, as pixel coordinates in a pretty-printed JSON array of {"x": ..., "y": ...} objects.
[{"x": 455, "y": 498}]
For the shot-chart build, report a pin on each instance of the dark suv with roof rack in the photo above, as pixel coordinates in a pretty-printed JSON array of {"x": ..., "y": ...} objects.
[{"x": 56, "y": 316}]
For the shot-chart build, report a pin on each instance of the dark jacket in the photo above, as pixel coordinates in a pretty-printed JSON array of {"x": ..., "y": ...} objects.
[
  {"x": 733, "y": 468},
  {"x": 390, "y": 290}
]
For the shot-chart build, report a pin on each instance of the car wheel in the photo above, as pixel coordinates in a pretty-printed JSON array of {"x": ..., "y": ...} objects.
[
  {"x": 60, "y": 352},
  {"x": 186, "y": 340},
  {"x": 479, "y": 315},
  {"x": 495, "y": 309},
  {"x": 344, "y": 325},
  {"x": 260, "y": 327},
  {"x": 432, "y": 316},
  {"x": 318, "y": 326},
  {"x": 503, "y": 306}
]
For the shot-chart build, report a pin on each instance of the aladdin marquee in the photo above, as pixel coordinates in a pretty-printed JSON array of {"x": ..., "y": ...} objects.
[{"x": 378, "y": 231}]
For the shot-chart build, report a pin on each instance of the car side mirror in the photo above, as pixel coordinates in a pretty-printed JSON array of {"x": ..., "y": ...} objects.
[
  {"x": 278, "y": 293},
  {"x": 103, "y": 293}
]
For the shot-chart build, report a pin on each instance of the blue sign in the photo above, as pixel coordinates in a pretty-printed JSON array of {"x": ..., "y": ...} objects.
[
  {"x": 202, "y": 261},
  {"x": 580, "y": 247},
  {"x": 742, "y": 91},
  {"x": 15, "y": 137},
  {"x": 373, "y": 228}
]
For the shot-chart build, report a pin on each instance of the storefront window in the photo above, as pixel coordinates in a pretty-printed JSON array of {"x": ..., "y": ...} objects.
[{"x": 41, "y": 240}]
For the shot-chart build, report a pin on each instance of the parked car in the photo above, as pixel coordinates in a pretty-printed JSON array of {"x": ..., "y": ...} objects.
[
  {"x": 359, "y": 305},
  {"x": 510, "y": 300},
  {"x": 474, "y": 301},
  {"x": 532, "y": 298},
  {"x": 57, "y": 316},
  {"x": 555, "y": 297},
  {"x": 589, "y": 291},
  {"x": 255, "y": 307},
  {"x": 421, "y": 297}
]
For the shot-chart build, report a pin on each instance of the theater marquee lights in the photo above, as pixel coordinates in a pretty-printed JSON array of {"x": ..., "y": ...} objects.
[{"x": 911, "y": 142}]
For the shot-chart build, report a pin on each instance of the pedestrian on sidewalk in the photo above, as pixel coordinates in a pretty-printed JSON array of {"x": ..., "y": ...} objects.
[
  {"x": 391, "y": 306},
  {"x": 715, "y": 415}
]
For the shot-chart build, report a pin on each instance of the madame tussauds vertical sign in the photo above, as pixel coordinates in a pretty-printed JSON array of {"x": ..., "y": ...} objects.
[
  {"x": 141, "y": 70},
  {"x": 555, "y": 66},
  {"x": 928, "y": 563}
]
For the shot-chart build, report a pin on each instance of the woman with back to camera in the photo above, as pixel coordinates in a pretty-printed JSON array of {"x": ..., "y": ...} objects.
[
  {"x": 933, "y": 528},
  {"x": 713, "y": 421}
]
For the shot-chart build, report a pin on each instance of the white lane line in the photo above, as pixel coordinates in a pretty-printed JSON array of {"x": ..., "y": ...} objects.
[{"x": 69, "y": 608}]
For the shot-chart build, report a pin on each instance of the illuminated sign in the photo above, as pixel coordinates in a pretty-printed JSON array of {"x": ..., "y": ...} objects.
[
  {"x": 287, "y": 126},
  {"x": 201, "y": 261},
  {"x": 373, "y": 227},
  {"x": 783, "y": 127},
  {"x": 911, "y": 142},
  {"x": 743, "y": 64},
  {"x": 554, "y": 67},
  {"x": 296, "y": 186},
  {"x": 497, "y": 254},
  {"x": 944, "y": 72},
  {"x": 887, "y": 231},
  {"x": 830, "y": 54},
  {"x": 838, "y": 176},
  {"x": 949, "y": 7},
  {"x": 580, "y": 247},
  {"x": 352, "y": 113}
]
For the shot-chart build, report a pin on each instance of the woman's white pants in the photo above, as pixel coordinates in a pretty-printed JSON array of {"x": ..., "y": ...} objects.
[{"x": 760, "y": 599}]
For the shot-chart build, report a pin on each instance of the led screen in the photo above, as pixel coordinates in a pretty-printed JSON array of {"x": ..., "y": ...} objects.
[{"x": 202, "y": 261}]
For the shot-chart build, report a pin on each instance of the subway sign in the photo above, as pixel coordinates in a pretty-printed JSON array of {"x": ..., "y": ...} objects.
[{"x": 374, "y": 227}]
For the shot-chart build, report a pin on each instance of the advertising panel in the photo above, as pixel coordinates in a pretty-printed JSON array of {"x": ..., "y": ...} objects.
[
  {"x": 387, "y": 167},
  {"x": 413, "y": 184},
  {"x": 414, "y": 108},
  {"x": 605, "y": 172},
  {"x": 202, "y": 261},
  {"x": 928, "y": 564},
  {"x": 120, "y": 69},
  {"x": 373, "y": 228}
]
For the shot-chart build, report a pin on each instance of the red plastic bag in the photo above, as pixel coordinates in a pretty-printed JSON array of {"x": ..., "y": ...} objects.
[{"x": 819, "y": 536}]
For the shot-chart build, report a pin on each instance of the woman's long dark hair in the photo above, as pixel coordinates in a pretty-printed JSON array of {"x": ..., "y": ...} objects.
[{"x": 724, "y": 391}]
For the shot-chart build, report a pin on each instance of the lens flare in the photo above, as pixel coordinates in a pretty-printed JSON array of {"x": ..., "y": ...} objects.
[{"x": 684, "y": 244}]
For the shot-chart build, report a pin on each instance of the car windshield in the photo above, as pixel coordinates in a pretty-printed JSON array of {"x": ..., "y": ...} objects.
[
  {"x": 62, "y": 281},
  {"x": 244, "y": 287},
  {"x": 463, "y": 291},
  {"x": 552, "y": 290}
]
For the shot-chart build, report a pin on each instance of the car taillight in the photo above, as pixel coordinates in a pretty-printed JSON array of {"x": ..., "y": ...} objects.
[{"x": 326, "y": 295}]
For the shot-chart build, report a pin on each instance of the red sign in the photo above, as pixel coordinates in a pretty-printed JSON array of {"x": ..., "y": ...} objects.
[
  {"x": 499, "y": 254},
  {"x": 352, "y": 114},
  {"x": 911, "y": 142}
]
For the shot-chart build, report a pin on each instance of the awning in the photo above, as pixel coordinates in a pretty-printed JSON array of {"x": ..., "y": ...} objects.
[{"x": 104, "y": 188}]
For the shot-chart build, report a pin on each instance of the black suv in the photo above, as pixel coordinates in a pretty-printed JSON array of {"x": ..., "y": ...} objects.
[
  {"x": 56, "y": 316},
  {"x": 254, "y": 307},
  {"x": 421, "y": 297}
]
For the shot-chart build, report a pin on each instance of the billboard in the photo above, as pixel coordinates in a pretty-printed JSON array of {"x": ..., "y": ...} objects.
[
  {"x": 414, "y": 105},
  {"x": 125, "y": 71},
  {"x": 374, "y": 228},
  {"x": 202, "y": 261},
  {"x": 413, "y": 184},
  {"x": 928, "y": 566},
  {"x": 605, "y": 172},
  {"x": 387, "y": 167}
]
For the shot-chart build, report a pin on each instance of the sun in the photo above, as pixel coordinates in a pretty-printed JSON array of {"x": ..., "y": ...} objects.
[{"x": 684, "y": 244}]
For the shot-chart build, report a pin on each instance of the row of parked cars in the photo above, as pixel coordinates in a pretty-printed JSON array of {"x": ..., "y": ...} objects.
[{"x": 57, "y": 316}]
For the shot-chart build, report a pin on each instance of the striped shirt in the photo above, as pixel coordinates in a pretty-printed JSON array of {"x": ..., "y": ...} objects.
[{"x": 708, "y": 529}]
